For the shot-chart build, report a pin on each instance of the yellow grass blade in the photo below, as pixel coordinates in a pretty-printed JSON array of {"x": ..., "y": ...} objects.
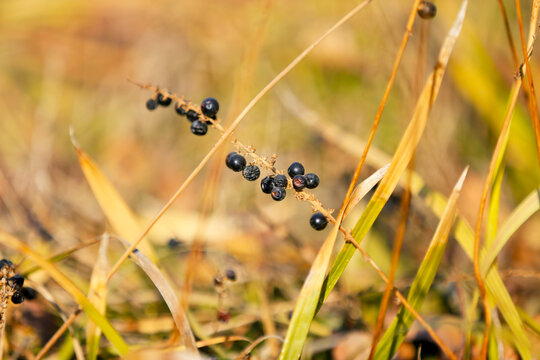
[
  {"x": 364, "y": 187},
  {"x": 113, "y": 205},
  {"x": 97, "y": 294},
  {"x": 111, "y": 334},
  {"x": 306, "y": 305},
  {"x": 168, "y": 294},
  {"x": 396, "y": 332},
  {"x": 402, "y": 155}
]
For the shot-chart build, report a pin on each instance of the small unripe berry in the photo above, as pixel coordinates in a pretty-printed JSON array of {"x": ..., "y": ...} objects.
[
  {"x": 180, "y": 109},
  {"x": 280, "y": 180},
  {"x": 231, "y": 274},
  {"x": 223, "y": 316},
  {"x": 278, "y": 193},
  {"x": 192, "y": 115},
  {"x": 312, "y": 181},
  {"x": 210, "y": 107},
  {"x": 199, "y": 128},
  {"x": 251, "y": 172},
  {"x": 427, "y": 10},
  {"x": 151, "y": 104},
  {"x": 267, "y": 184},
  {"x": 236, "y": 162},
  {"x": 163, "y": 101},
  {"x": 295, "y": 169},
  {"x": 29, "y": 293},
  {"x": 299, "y": 182},
  {"x": 17, "y": 298},
  {"x": 318, "y": 221}
]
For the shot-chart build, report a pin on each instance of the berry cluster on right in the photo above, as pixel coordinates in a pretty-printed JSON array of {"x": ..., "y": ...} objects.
[{"x": 276, "y": 185}]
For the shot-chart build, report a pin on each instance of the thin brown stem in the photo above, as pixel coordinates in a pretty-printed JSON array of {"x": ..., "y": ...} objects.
[
  {"x": 58, "y": 334},
  {"x": 533, "y": 109},
  {"x": 228, "y": 132},
  {"x": 508, "y": 33}
]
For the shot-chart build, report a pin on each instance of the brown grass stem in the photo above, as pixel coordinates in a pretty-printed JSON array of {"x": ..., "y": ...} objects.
[
  {"x": 228, "y": 132},
  {"x": 533, "y": 109},
  {"x": 508, "y": 33},
  {"x": 58, "y": 334}
]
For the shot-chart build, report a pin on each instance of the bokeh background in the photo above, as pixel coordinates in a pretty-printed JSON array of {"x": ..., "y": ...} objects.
[{"x": 67, "y": 64}]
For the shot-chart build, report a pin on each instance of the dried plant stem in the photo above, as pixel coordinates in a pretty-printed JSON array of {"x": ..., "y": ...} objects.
[
  {"x": 400, "y": 234},
  {"x": 403, "y": 299},
  {"x": 533, "y": 109},
  {"x": 389, "y": 85},
  {"x": 4, "y": 299},
  {"x": 508, "y": 33},
  {"x": 58, "y": 334},
  {"x": 228, "y": 132}
]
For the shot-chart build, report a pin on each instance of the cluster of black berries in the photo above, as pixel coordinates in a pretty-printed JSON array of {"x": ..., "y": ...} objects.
[
  {"x": 199, "y": 126},
  {"x": 15, "y": 283},
  {"x": 427, "y": 10},
  {"x": 276, "y": 185}
]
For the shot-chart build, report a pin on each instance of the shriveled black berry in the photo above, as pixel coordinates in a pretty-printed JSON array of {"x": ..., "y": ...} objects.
[
  {"x": 29, "y": 293},
  {"x": 151, "y": 104},
  {"x": 236, "y": 162},
  {"x": 427, "y": 10},
  {"x": 17, "y": 298},
  {"x": 231, "y": 274},
  {"x": 16, "y": 281},
  {"x": 295, "y": 169},
  {"x": 312, "y": 180},
  {"x": 199, "y": 128},
  {"x": 280, "y": 180},
  {"x": 210, "y": 107},
  {"x": 192, "y": 115},
  {"x": 267, "y": 184},
  {"x": 251, "y": 172},
  {"x": 299, "y": 182},
  {"x": 180, "y": 109},
  {"x": 318, "y": 221},
  {"x": 278, "y": 193},
  {"x": 162, "y": 100}
]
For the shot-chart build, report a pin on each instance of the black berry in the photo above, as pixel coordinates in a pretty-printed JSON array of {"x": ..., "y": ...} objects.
[
  {"x": 29, "y": 293},
  {"x": 180, "y": 109},
  {"x": 312, "y": 181},
  {"x": 280, "y": 180},
  {"x": 174, "y": 243},
  {"x": 296, "y": 169},
  {"x": 163, "y": 101},
  {"x": 231, "y": 274},
  {"x": 210, "y": 107},
  {"x": 17, "y": 298},
  {"x": 251, "y": 172},
  {"x": 299, "y": 182},
  {"x": 427, "y": 10},
  {"x": 318, "y": 221},
  {"x": 5, "y": 262},
  {"x": 151, "y": 104},
  {"x": 199, "y": 128},
  {"x": 267, "y": 184},
  {"x": 236, "y": 162},
  {"x": 278, "y": 193},
  {"x": 192, "y": 115},
  {"x": 16, "y": 281}
]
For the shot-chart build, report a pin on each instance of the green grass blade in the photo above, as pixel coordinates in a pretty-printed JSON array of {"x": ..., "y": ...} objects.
[
  {"x": 403, "y": 154},
  {"x": 111, "y": 334},
  {"x": 306, "y": 305},
  {"x": 396, "y": 332},
  {"x": 529, "y": 206}
]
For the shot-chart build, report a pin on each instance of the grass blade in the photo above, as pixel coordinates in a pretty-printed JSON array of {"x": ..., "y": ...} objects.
[
  {"x": 113, "y": 205},
  {"x": 111, "y": 334},
  {"x": 529, "y": 206},
  {"x": 396, "y": 332},
  {"x": 364, "y": 187},
  {"x": 403, "y": 153},
  {"x": 168, "y": 294},
  {"x": 97, "y": 294},
  {"x": 306, "y": 305}
]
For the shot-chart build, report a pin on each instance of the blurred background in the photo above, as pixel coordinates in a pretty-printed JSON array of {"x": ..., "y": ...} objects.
[{"x": 67, "y": 63}]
